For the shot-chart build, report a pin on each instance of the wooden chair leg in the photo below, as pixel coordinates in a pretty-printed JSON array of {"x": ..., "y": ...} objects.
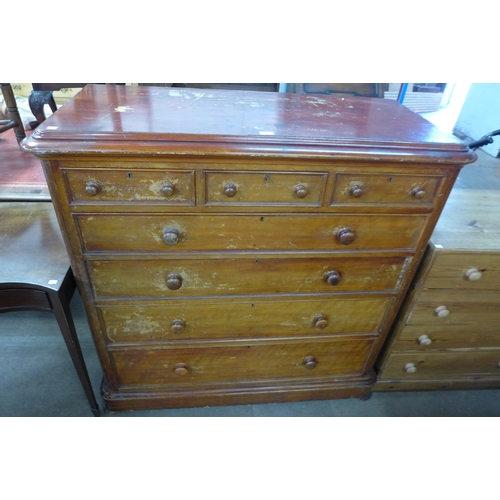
[
  {"x": 13, "y": 112},
  {"x": 37, "y": 100}
]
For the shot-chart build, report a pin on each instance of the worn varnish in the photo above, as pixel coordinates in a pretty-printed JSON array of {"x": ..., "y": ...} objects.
[
  {"x": 241, "y": 247},
  {"x": 447, "y": 333}
]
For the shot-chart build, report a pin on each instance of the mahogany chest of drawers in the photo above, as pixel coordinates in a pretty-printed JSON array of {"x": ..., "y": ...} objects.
[
  {"x": 241, "y": 247},
  {"x": 447, "y": 334}
]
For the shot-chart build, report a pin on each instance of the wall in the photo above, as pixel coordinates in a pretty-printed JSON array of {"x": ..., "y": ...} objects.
[{"x": 481, "y": 114}]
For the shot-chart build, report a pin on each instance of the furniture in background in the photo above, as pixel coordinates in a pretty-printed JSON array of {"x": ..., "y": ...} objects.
[
  {"x": 255, "y": 250},
  {"x": 342, "y": 89},
  {"x": 262, "y": 87},
  {"x": 35, "y": 274},
  {"x": 447, "y": 335},
  {"x": 13, "y": 119}
]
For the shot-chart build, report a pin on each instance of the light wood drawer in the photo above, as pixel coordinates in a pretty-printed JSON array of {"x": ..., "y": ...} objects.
[
  {"x": 170, "y": 233},
  {"x": 134, "y": 185},
  {"x": 249, "y": 362},
  {"x": 449, "y": 270},
  {"x": 385, "y": 188},
  {"x": 199, "y": 320},
  {"x": 442, "y": 364},
  {"x": 243, "y": 276},
  {"x": 452, "y": 319},
  {"x": 264, "y": 188}
]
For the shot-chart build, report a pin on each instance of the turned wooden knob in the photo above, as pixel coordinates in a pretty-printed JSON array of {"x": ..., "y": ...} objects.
[
  {"x": 178, "y": 326},
  {"x": 92, "y": 188},
  {"x": 357, "y": 191},
  {"x": 332, "y": 277},
  {"x": 309, "y": 362},
  {"x": 230, "y": 190},
  {"x": 168, "y": 189},
  {"x": 346, "y": 235},
  {"x": 442, "y": 312},
  {"x": 301, "y": 191},
  {"x": 418, "y": 193},
  {"x": 424, "y": 340},
  {"x": 171, "y": 235},
  {"x": 473, "y": 274},
  {"x": 174, "y": 281},
  {"x": 410, "y": 368},
  {"x": 320, "y": 321},
  {"x": 181, "y": 369}
]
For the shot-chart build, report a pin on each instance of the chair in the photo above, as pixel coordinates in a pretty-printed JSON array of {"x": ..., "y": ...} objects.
[
  {"x": 14, "y": 119},
  {"x": 35, "y": 274}
]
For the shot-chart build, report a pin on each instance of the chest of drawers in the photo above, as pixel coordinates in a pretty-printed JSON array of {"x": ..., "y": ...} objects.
[
  {"x": 241, "y": 247},
  {"x": 447, "y": 334}
]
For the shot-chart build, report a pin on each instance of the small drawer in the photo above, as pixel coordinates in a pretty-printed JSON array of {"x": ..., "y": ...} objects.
[
  {"x": 247, "y": 362},
  {"x": 420, "y": 365},
  {"x": 199, "y": 320},
  {"x": 134, "y": 185},
  {"x": 264, "y": 188},
  {"x": 171, "y": 233},
  {"x": 243, "y": 276},
  {"x": 477, "y": 271},
  {"x": 384, "y": 188}
]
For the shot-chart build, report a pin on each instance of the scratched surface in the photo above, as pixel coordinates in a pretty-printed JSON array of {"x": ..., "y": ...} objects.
[{"x": 156, "y": 113}]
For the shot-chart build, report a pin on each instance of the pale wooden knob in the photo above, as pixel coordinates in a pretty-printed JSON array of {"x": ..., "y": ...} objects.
[
  {"x": 171, "y": 236},
  {"x": 309, "y": 362},
  {"x": 424, "y": 340},
  {"x": 410, "y": 368},
  {"x": 320, "y": 321},
  {"x": 181, "y": 369},
  {"x": 418, "y": 193},
  {"x": 92, "y": 188},
  {"x": 357, "y": 191},
  {"x": 301, "y": 191},
  {"x": 168, "y": 189},
  {"x": 442, "y": 312},
  {"x": 178, "y": 325},
  {"x": 473, "y": 274}
]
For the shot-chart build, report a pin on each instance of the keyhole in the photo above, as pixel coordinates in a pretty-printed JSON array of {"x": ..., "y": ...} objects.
[
  {"x": 266, "y": 178},
  {"x": 261, "y": 219},
  {"x": 129, "y": 175},
  {"x": 390, "y": 179}
]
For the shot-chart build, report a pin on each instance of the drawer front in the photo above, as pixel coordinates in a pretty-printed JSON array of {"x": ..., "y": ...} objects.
[
  {"x": 172, "y": 233},
  {"x": 418, "y": 365},
  {"x": 385, "y": 188},
  {"x": 261, "y": 188},
  {"x": 453, "y": 319},
  {"x": 135, "y": 186},
  {"x": 229, "y": 276},
  {"x": 450, "y": 270},
  {"x": 199, "y": 320},
  {"x": 250, "y": 362}
]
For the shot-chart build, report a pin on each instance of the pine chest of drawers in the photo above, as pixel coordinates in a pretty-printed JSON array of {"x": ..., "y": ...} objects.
[
  {"x": 241, "y": 247},
  {"x": 447, "y": 334}
]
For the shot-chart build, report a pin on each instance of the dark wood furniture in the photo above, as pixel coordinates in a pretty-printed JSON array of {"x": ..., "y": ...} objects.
[
  {"x": 447, "y": 334},
  {"x": 35, "y": 274},
  {"x": 242, "y": 247},
  {"x": 341, "y": 89},
  {"x": 13, "y": 118}
]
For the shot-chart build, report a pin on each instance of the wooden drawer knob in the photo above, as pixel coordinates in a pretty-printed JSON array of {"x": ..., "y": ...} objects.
[
  {"x": 181, "y": 369},
  {"x": 168, "y": 189},
  {"x": 171, "y": 235},
  {"x": 332, "y": 277},
  {"x": 357, "y": 191},
  {"x": 320, "y": 321},
  {"x": 178, "y": 325},
  {"x": 346, "y": 235},
  {"x": 474, "y": 274},
  {"x": 309, "y": 362},
  {"x": 442, "y": 312},
  {"x": 174, "y": 281},
  {"x": 301, "y": 191},
  {"x": 230, "y": 190},
  {"x": 424, "y": 340},
  {"x": 410, "y": 368},
  {"x": 92, "y": 188},
  {"x": 418, "y": 193}
]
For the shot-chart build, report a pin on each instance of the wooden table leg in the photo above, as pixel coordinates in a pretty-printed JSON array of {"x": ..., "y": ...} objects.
[{"x": 13, "y": 112}]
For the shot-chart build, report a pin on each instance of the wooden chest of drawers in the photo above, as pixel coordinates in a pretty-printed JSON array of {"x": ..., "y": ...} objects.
[
  {"x": 241, "y": 247},
  {"x": 447, "y": 334}
]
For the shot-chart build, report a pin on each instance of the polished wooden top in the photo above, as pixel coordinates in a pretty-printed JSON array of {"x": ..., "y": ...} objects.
[
  {"x": 169, "y": 120},
  {"x": 31, "y": 246},
  {"x": 470, "y": 221}
]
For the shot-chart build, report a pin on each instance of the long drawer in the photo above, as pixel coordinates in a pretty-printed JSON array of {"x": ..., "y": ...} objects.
[
  {"x": 242, "y": 276},
  {"x": 418, "y": 365},
  {"x": 167, "y": 233},
  {"x": 250, "y": 362},
  {"x": 199, "y": 320}
]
